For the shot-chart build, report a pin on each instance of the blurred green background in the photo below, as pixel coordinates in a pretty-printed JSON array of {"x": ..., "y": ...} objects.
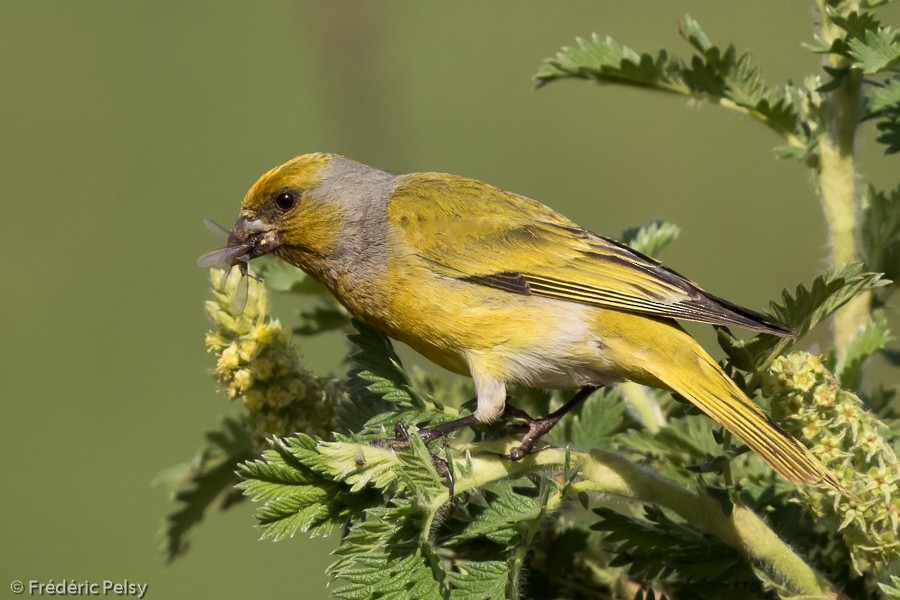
[{"x": 123, "y": 124}]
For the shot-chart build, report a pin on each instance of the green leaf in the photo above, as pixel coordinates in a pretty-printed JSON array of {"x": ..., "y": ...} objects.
[
  {"x": 440, "y": 390},
  {"x": 733, "y": 76},
  {"x": 385, "y": 423},
  {"x": 886, "y": 97},
  {"x": 892, "y": 590},
  {"x": 881, "y": 232},
  {"x": 479, "y": 581},
  {"x": 876, "y": 51},
  {"x": 604, "y": 60},
  {"x": 884, "y": 104},
  {"x": 724, "y": 77},
  {"x": 499, "y": 519},
  {"x": 568, "y": 562},
  {"x": 364, "y": 465},
  {"x": 599, "y": 418},
  {"x": 651, "y": 239},
  {"x": 377, "y": 382},
  {"x": 788, "y": 151},
  {"x": 295, "y": 495},
  {"x": 206, "y": 482},
  {"x": 806, "y": 308},
  {"x": 867, "y": 341},
  {"x": 820, "y": 45},
  {"x": 855, "y": 23},
  {"x": 511, "y": 517},
  {"x": 658, "y": 547},
  {"x": 800, "y": 311},
  {"x": 889, "y": 133},
  {"x": 381, "y": 557},
  {"x": 358, "y": 465}
]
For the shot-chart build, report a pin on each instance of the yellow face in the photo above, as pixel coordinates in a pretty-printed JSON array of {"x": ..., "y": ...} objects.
[{"x": 281, "y": 214}]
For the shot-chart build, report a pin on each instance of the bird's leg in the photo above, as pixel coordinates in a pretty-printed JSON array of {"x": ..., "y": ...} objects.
[
  {"x": 538, "y": 428},
  {"x": 428, "y": 435}
]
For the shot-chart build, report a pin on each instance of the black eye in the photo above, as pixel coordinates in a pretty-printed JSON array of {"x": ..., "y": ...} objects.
[{"x": 285, "y": 201}]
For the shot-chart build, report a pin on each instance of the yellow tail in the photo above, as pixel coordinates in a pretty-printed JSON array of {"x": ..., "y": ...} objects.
[
  {"x": 705, "y": 384},
  {"x": 660, "y": 353}
]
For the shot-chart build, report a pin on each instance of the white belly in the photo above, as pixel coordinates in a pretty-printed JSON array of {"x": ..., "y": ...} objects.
[{"x": 569, "y": 355}]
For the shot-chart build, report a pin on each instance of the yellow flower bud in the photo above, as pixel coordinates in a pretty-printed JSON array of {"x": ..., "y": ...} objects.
[
  {"x": 229, "y": 358},
  {"x": 243, "y": 379}
]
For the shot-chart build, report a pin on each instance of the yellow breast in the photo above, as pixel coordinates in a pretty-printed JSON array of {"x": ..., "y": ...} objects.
[{"x": 528, "y": 339}]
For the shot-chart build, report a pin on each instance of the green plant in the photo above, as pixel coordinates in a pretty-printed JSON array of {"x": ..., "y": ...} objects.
[{"x": 640, "y": 496}]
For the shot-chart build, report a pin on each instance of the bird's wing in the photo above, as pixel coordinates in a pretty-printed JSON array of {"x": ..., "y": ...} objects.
[{"x": 474, "y": 232}]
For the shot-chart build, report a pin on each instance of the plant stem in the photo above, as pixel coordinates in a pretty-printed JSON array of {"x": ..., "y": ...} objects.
[
  {"x": 610, "y": 474},
  {"x": 837, "y": 177}
]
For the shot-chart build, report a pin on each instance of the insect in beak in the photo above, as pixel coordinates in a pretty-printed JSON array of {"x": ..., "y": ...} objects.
[
  {"x": 235, "y": 254},
  {"x": 229, "y": 256}
]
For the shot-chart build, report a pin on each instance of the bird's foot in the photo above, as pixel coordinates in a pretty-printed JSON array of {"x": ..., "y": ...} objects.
[{"x": 534, "y": 430}]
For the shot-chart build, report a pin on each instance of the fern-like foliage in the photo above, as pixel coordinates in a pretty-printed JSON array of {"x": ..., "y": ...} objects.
[
  {"x": 376, "y": 384},
  {"x": 873, "y": 49},
  {"x": 800, "y": 310},
  {"x": 297, "y": 492},
  {"x": 596, "y": 423},
  {"x": 485, "y": 580},
  {"x": 657, "y": 547},
  {"x": 382, "y": 556},
  {"x": 725, "y": 77},
  {"x": 388, "y": 503},
  {"x": 855, "y": 25},
  {"x": 876, "y": 50}
]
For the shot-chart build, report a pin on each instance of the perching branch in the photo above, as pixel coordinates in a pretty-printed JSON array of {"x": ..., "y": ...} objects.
[{"x": 612, "y": 475}]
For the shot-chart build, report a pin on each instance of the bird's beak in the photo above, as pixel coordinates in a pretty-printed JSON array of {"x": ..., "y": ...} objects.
[{"x": 258, "y": 237}]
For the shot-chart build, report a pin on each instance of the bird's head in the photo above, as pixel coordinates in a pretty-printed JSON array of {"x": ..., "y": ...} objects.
[{"x": 283, "y": 214}]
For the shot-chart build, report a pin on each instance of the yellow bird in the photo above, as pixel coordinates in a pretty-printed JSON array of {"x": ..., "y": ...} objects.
[{"x": 501, "y": 288}]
